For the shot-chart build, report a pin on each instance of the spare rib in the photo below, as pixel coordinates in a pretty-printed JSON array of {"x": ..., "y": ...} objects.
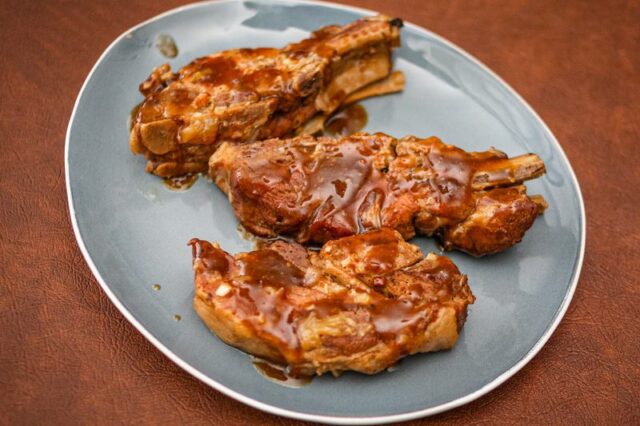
[
  {"x": 317, "y": 189},
  {"x": 361, "y": 303},
  {"x": 243, "y": 95}
]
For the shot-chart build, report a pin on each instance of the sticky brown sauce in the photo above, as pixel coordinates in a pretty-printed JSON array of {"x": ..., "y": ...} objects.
[
  {"x": 166, "y": 46},
  {"x": 268, "y": 267},
  {"x": 336, "y": 188},
  {"x": 215, "y": 70},
  {"x": 263, "y": 279},
  {"x": 133, "y": 115},
  {"x": 377, "y": 249},
  {"x": 180, "y": 183},
  {"x": 228, "y": 70},
  {"x": 347, "y": 121},
  {"x": 391, "y": 317},
  {"x": 278, "y": 374},
  {"x": 382, "y": 258},
  {"x": 453, "y": 169}
]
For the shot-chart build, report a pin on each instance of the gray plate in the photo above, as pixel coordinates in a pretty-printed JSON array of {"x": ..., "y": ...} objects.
[{"x": 133, "y": 231}]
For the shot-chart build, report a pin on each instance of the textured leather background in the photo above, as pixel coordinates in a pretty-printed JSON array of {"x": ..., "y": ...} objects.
[{"x": 68, "y": 356}]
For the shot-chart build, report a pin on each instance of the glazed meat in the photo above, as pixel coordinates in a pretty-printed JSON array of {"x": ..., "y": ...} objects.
[
  {"x": 252, "y": 94},
  {"x": 361, "y": 303},
  {"x": 317, "y": 189}
]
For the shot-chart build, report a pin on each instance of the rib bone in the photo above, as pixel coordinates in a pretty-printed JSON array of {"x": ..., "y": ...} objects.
[{"x": 507, "y": 171}]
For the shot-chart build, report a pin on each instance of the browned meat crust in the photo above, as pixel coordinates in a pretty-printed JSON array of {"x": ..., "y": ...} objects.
[
  {"x": 361, "y": 303},
  {"x": 243, "y": 95},
  {"x": 317, "y": 189}
]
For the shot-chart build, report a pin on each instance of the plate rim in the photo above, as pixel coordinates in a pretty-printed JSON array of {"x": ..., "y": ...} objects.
[{"x": 353, "y": 420}]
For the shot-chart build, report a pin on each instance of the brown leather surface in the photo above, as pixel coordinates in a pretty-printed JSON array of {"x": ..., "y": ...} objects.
[{"x": 68, "y": 356}]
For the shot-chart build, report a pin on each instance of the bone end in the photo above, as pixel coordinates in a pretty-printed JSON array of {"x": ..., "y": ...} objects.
[{"x": 508, "y": 171}]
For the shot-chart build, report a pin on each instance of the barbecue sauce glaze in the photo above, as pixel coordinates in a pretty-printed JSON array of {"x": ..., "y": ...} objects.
[
  {"x": 334, "y": 189},
  {"x": 243, "y": 95},
  {"x": 267, "y": 293}
]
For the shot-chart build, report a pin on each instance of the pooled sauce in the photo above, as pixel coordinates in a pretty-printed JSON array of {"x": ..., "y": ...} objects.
[
  {"x": 180, "y": 183},
  {"x": 166, "y": 45},
  {"x": 346, "y": 121},
  {"x": 278, "y": 374}
]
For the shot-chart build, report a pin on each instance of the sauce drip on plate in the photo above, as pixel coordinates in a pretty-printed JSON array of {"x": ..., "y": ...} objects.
[
  {"x": 180, "y": 183},
  {"x": 279, "y": 375},
  {"x": 346, "y": 121}
]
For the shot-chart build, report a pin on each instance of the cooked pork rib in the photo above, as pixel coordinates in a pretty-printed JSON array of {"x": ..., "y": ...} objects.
[
  {"x": 243, "y": 95},
  {"x": 318, "y": 189},
  {"x": 361, "y": 303}
]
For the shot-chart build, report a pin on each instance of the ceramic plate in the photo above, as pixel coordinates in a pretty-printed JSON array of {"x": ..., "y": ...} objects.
[{"x": 133, "y": 231}]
